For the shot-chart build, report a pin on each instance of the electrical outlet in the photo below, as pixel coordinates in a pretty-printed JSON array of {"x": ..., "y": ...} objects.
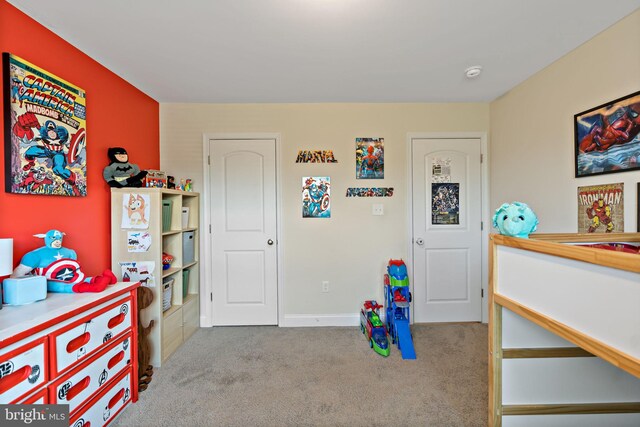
[{"x": 325, "y": 286}]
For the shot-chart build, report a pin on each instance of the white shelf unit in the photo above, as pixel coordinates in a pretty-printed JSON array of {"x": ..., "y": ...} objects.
[{"x": 175, "y": 325}]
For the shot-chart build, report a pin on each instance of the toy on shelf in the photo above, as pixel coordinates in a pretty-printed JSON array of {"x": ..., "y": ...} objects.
[
  {"x": 373, "y": 328},
  {"x": 155, "y": 179},
  {"x": 120, "y": 173},
  {"x": 515, "y": 220},
  {"x": 60, "y": 267},
  {"x": 166, "y": 260},
  {"x": 397, "y": 299},
  {"x": 186, "y": 185},
  {"x": 171, "y": 182}
]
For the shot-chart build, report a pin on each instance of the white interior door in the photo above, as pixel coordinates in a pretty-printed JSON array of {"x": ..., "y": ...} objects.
[
  {"x": 243, "y": 236},
  {"x": 447, "y": 282}
]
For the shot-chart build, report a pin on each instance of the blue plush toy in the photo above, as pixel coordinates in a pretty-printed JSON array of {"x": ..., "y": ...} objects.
[
  {"x": 515, "y": 219},
  {"x": 59, "y": 266}
]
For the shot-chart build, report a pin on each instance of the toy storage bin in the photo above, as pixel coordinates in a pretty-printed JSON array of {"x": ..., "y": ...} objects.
[
  {"x": 185, "y": 283},
  {"x": 188, "y": 239},
  {"x": 167, "y": 290},
  {"x": 167, "y": 206}
]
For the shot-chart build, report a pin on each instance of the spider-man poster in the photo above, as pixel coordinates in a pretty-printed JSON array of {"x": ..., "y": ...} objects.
[
  {"x": 369, "y": 158},
  {"x": 45, "y": 137}
]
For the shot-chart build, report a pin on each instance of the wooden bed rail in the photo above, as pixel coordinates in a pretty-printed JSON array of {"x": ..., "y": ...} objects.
[
  {"x": 588, "y": 346},
  {"x": 547, "y": 244}
]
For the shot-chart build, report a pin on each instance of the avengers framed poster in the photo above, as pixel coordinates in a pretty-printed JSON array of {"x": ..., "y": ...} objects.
[
  {"x": 601, "y": 208},
  {"x": 445, "y": 203},
  {"x": 45, "y": 131},
  {"x": 316, "y": 197},
  {"x": 607, "y": 137},
  {"x": 369, "y": 158}
]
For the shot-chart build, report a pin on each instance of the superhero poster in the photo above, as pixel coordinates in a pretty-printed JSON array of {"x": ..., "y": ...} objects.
[
  {"x": 445, "y": 204},
  {"x": 607, "y": 137},
  {"x": 601, "y": 208},
  {"x": 369, "y": 158},
  {"x": 316, "y": 197},
  {"x": 45, "y": 137}
]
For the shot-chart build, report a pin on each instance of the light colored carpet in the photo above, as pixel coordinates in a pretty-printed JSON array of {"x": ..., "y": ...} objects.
[{"x": 269, "y": 376}]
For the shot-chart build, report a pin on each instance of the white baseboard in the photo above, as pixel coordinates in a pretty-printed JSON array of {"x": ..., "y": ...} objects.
[{"x": 311, "y": 320}]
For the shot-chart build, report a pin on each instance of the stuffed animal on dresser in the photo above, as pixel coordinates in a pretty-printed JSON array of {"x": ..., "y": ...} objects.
[
  {"x": 60, "y": 267},
  {"x": 120, "y": 173}
]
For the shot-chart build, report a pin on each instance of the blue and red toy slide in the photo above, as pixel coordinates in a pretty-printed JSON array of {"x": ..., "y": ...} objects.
[{"x": 397, "y": 299}]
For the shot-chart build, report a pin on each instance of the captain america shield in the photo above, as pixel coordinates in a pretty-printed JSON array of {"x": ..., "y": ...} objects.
[{"x": 64, "y": 270}]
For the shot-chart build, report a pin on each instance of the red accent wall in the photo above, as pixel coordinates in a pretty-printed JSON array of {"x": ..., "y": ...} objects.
[{"x": 118, "y": 115}]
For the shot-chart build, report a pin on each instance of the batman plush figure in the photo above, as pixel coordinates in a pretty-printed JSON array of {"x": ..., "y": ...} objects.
[{"x": 121, "y": 173}]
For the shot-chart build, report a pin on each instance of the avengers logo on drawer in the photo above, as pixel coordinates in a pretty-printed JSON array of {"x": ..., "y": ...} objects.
[
  {"x": 85, "y": 336},
  {"x": 106, "y": 405},
  {"x": 22, "y": 370},
  {"x": 81, "y": 382}
]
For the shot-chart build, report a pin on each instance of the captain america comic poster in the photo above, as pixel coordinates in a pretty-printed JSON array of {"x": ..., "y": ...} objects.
[{"x": 45, "y": 131}]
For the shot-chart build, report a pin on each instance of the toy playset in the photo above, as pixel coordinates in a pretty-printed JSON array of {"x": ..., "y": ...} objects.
[
  {"x": 155, "y": 178},
  {"x": 397, "y": 299},
  {"x": 373, "y": 328}
]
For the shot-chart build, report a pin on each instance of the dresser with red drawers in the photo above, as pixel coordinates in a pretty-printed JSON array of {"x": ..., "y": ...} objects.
[{"x": 75, "y": 349}]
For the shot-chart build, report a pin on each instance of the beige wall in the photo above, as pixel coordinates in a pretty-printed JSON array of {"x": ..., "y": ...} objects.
[
  {"x": 350, "y": 249},
  {"x": 531, "y": 141}
]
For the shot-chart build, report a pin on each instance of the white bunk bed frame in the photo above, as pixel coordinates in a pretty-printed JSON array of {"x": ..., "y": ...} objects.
[{"x": 553, "y": 306}]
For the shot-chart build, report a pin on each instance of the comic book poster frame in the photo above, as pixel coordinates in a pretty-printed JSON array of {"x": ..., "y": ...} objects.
[
  {"x": 590, "y": 212},
  {"x": 451, "y": 215},
  {"x": 44, "y": 131},
  {"x": 638, "y": 209},
  {"x": 595, "y": 153},
  {"x": 370, "y": 156},
  {"x": 316, "y": 197}
]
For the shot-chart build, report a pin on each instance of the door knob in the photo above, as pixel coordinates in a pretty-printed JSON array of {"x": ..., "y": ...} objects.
[
  {"x": 269, "y": 242},
  {"x": 420, "y": 242}
]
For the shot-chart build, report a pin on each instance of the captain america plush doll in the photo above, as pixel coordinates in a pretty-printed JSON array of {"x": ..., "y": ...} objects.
[{"x": 60, "y": 267}]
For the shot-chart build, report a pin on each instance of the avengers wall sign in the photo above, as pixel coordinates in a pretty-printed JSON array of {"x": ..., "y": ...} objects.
[
  {"x": 607, "y": 137},
  {"x": 369, "y": 192},
  {"x": 45, "y": 137},
  {"x": 601, "y": 208},
  {"x": 369, "y": 158},
  {"x": 316, "y": 197}
]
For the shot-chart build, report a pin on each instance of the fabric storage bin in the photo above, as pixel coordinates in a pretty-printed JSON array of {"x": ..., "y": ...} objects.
[
  {"x": 167, "y": 207},
  {"x": 185, "y": 283},
  {"x": 188, "y": 240},
  {"x": 167, "y": 291}
]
